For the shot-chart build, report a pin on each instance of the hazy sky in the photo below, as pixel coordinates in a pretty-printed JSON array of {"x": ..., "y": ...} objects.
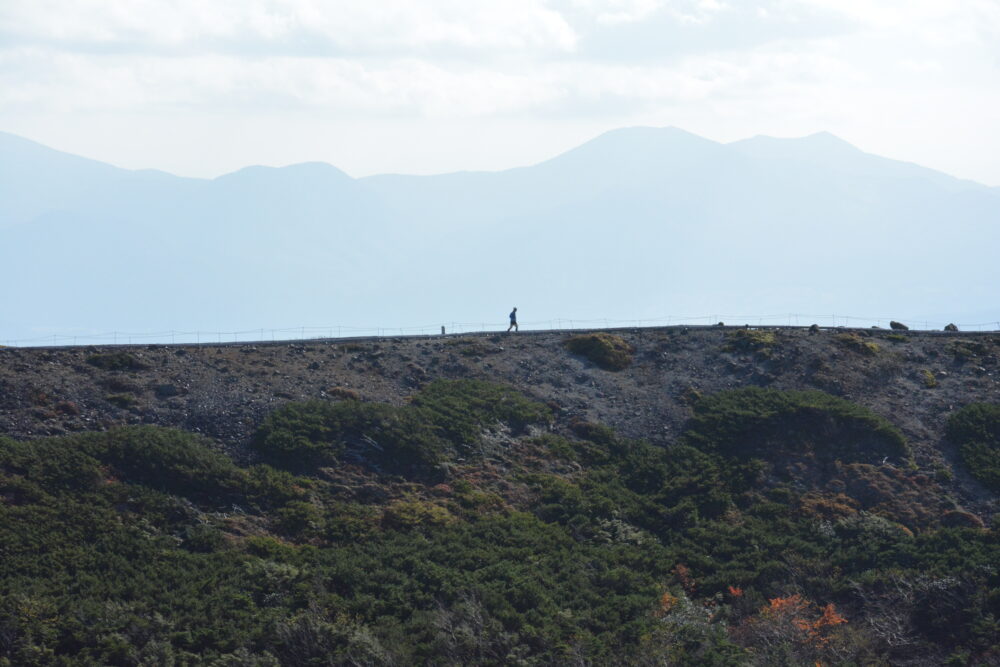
[{"x": 201, "y": 87}]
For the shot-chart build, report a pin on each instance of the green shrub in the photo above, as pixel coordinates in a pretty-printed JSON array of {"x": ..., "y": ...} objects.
[
  {"x": 121, "y": 400},
  {"x": 445, "y": 418},
  {"x": 558, "y": 446},
  {"x": 943, "y": 474},
  {"x": 413, "y": 513},
  {"x": 601, "y": 434},
  {"x": 343, "y": 393},
  {"x": 976, "y": 422},
  {"x": 163, "y": 459},
  {"x": 966, "y": 350},
  {"x": 752, "y": 340},
  {"x": 170, "y": 460},
  {"x": 299, "y": 435},
  {"x": 753, "y": 422},
  {"x": 50, "y": 465},
  {"x": 271, "y": 487},
  {"x": 116, "y": 361},
  {"x": 855, "y": 342},
  {"x": 350, "y": 522},
  {"x": 299, "y": 519},
  {"x": 461, "y": 409},
  {"x": 471, "y": 347},
  {"x": 961, "y": 519},
  {"x": 928, "y": 378},
  {"x": 975, "y": 429},
  {"x": 203, "y": 538},
  {"x": 605, "y": 350}
]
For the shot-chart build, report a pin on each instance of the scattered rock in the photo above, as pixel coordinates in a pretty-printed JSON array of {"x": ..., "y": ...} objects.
[
  {"x": 951, "y": 327},
  {"x": 898, "y": 326}
]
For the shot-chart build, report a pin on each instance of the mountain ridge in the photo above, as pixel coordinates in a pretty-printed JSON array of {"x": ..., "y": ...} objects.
[
  {"x": 827, "y": 138},
  {"x": 637, "y": 221}
]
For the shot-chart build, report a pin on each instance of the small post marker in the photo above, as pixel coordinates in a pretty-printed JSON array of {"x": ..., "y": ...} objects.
[{"x": 442, "y": 329}]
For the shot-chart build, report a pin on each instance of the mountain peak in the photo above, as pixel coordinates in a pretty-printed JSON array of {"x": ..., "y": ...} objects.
[
  {"x": 644, "y": 135},
  {"x": 303, "y": 171},
  {"x": 820, "y": 145},
  {"x": 827, "y": 139},
  {"x": 638, "y": 146}
]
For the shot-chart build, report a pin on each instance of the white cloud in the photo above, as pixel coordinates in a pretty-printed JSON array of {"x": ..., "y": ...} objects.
[
  {"x": 274, "y": 26},
  {"x": 929, "y": 22},
  {"x": 613, "y": 12},
  {"x": 617, "y": 11},
  {"x": 723, "y": 68},
  {"x": 77, "y": 83}
]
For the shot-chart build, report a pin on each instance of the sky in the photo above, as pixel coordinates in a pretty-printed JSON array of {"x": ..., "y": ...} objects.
[{"x": 205, "y": 87}]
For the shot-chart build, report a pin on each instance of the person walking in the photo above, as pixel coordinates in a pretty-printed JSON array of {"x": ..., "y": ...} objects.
[{"x": 513, "y": 320}]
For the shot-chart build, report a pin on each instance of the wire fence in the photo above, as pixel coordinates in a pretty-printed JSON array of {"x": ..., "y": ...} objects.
[{"x": 341, "y": 331}]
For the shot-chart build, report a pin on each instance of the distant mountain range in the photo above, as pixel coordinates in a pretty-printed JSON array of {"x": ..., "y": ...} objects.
[{"x": 637, "y": 223}]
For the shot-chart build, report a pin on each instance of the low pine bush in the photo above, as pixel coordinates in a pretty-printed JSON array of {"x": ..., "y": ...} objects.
[
  {"x": 116, "y": 361},
  {"x": 753, "y": 422},
  {"x": 752, "y": 340},
  {"x": 605, "y": 350},
  {"x": 975, "y": 429},
  {"x": 444, "y": 419}
]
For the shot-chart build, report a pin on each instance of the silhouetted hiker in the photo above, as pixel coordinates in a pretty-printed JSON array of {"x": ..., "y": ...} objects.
[{"x": 513, "y": 321}]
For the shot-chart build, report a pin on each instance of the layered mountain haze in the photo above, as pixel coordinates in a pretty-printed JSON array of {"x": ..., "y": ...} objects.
[{"x": 638, "y": 223}]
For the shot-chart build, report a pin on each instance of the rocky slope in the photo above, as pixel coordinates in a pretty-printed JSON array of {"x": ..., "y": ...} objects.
[
  {"x": 914, "y": 379},
  {"x": 677, "y": 496}
]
